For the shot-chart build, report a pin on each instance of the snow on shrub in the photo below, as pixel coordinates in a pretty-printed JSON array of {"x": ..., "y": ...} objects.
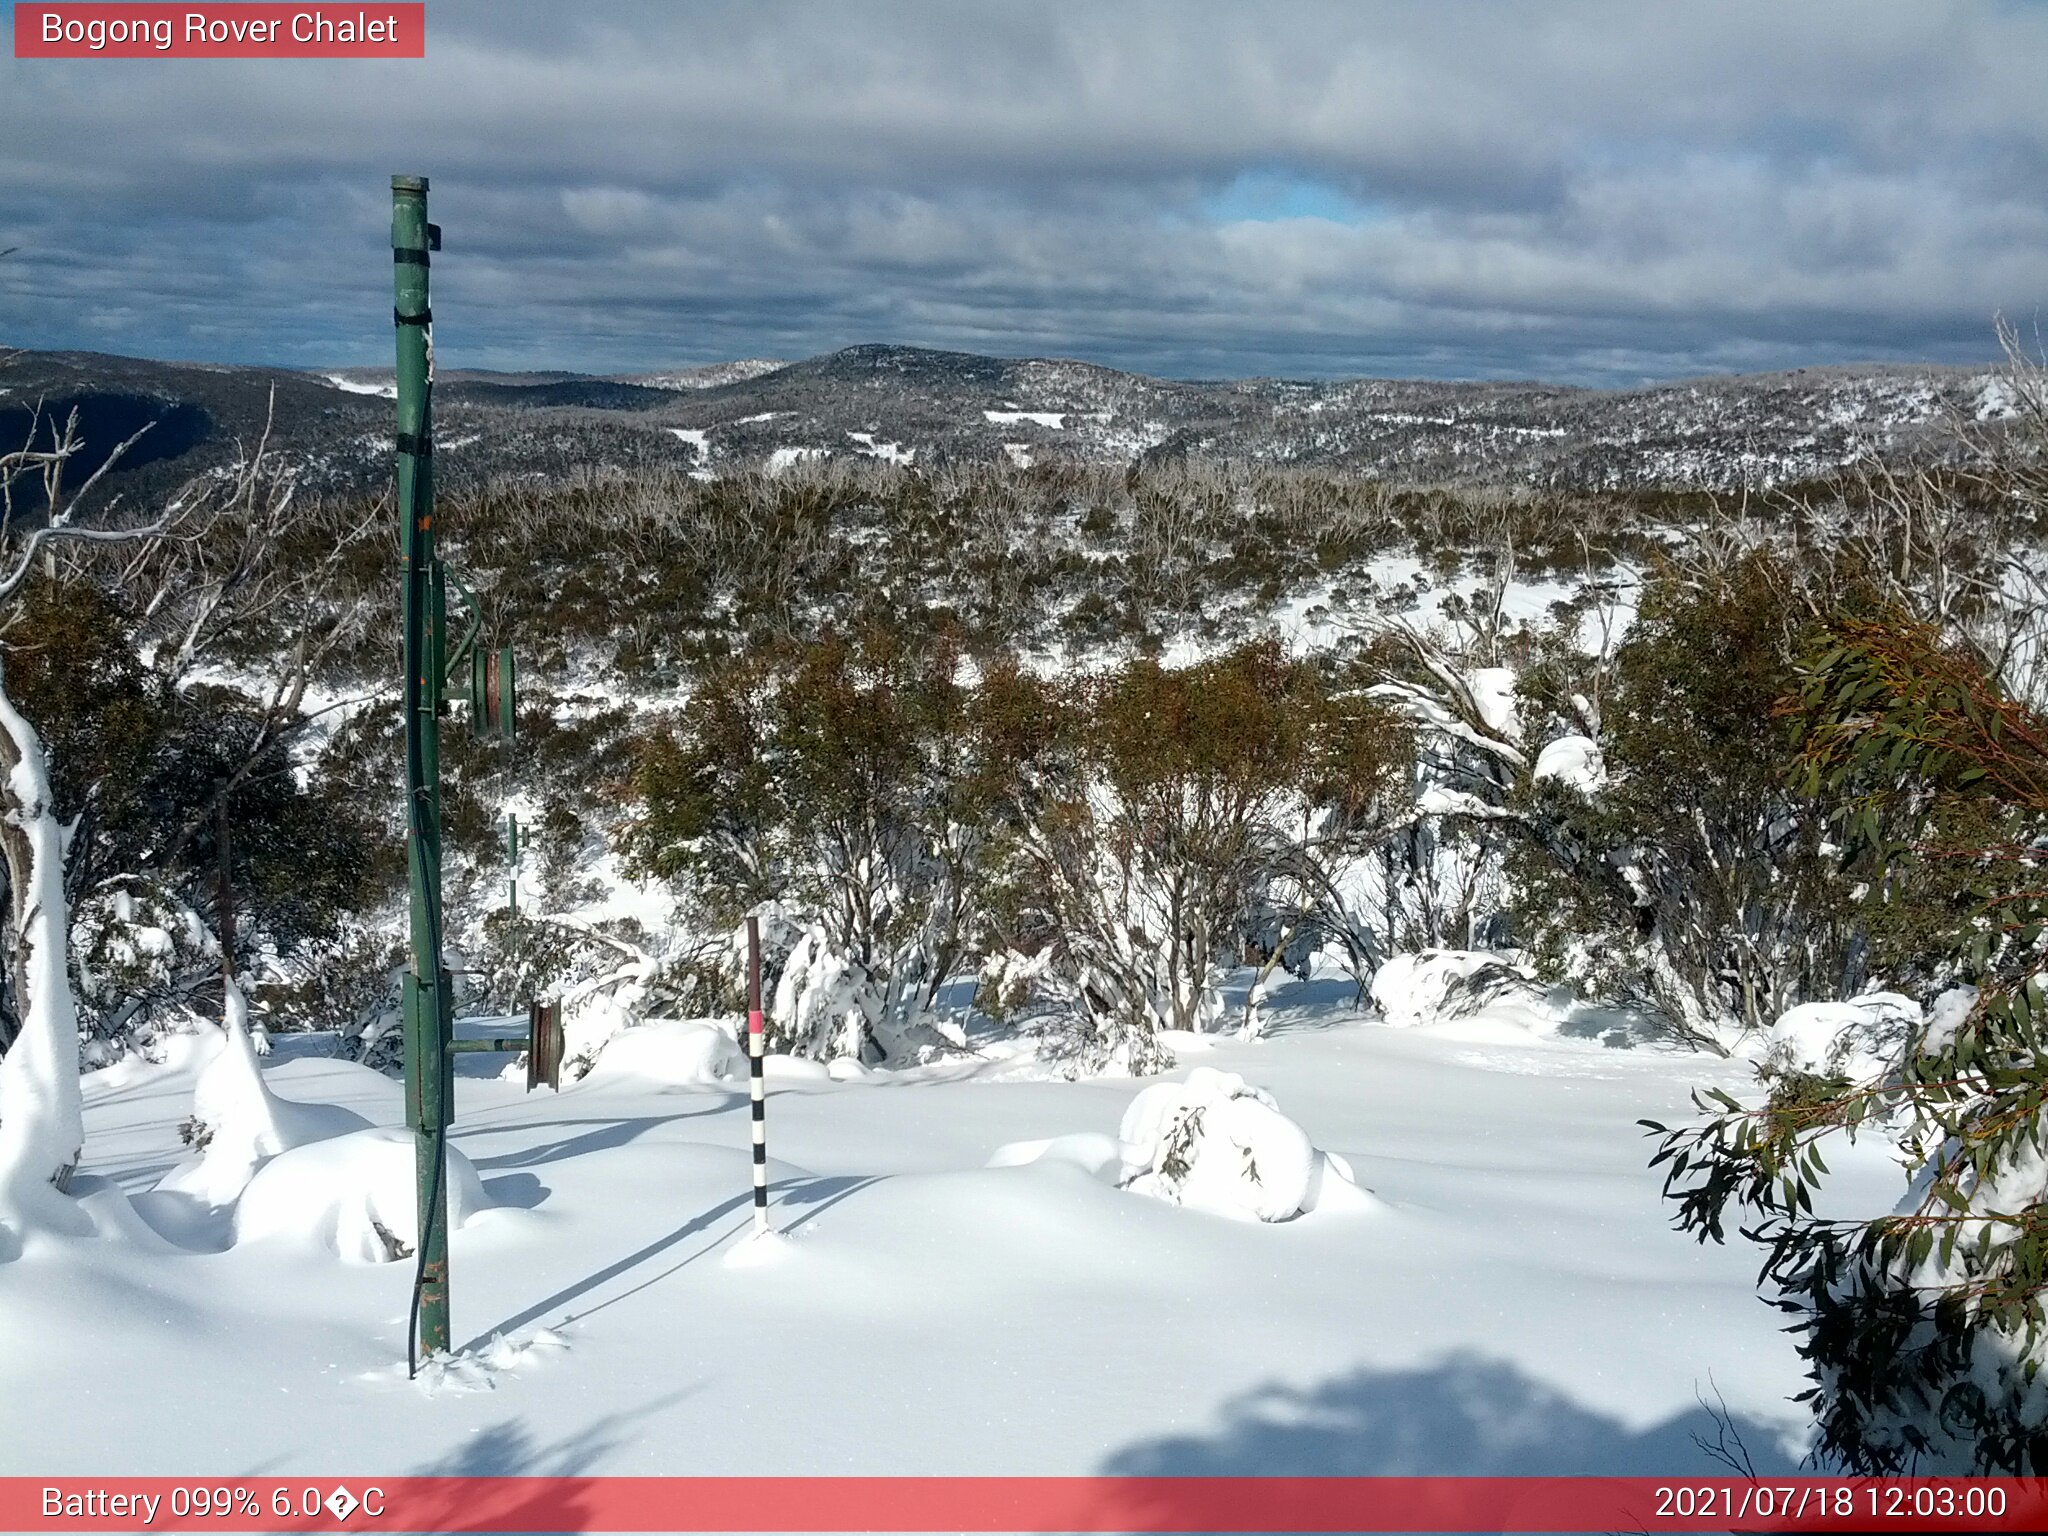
[
  {"x": 138, "y": 953},
  {"x": 1216, "y": 1143},
  {"x": 1007, "y": 982},
  {"x": 590, "y": 1021},
  {"x": 353, "y": 1195},
  {"x": 1436, "y": 986},
  {"x": 237, "y": 1122},
  {"x": 1857, "y": 1039},
  {"x": 1573, "y": 760},
  {"x": 825, "y": 1003},
  {"x": 669, "y": 1053}
]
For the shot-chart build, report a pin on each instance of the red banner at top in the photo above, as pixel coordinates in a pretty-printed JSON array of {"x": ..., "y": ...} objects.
[{"x": 85, "y": 31}]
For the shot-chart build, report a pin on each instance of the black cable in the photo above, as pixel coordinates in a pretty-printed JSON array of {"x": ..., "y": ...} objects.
[{"x": 419, "y": 1274}]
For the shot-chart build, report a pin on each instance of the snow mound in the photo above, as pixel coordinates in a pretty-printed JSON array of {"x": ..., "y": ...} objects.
[
  {"x": 1091, "y": 1151},
  {"x": 1857, "y": 1039},
  {"x": 353, "y": 1195},
  {"x": 1216, "y": 1143},
  {"x": 758, "y": 1249},
  {"x": 1471, "y": 993},
  {"x": 245, "y": 1124},
  {"x": 669, "y": 1053}
]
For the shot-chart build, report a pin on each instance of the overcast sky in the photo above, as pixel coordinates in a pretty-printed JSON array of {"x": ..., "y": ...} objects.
[{"x": 1599, "y": 193}]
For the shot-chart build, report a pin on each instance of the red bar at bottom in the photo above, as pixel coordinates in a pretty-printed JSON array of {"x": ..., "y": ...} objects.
[{"x": 991, "y": 1504}]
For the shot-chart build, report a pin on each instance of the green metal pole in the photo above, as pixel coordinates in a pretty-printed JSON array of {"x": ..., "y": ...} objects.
[{"x": 428, "y": 995}]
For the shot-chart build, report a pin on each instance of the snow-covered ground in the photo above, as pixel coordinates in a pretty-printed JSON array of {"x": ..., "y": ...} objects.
[{"x": 1508, "y": 1299}]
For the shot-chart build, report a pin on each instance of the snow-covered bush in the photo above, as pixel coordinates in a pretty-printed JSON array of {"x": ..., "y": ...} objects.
[
  {"x": 1008, "y": 983},
  {"x": 826, "y": 1005},
  {"x": 843, "y": 783},
  {"x": 140, "y": 957},
  {"x": 1858, "y": 1039},
  {"x": 1213, "y": 1142},
  {"x": 1164, "y": 813},
  {"x": 1437, "y": 985},
  {"x": 1674, "y": 864},
  {"x": 607, "y": 977}
]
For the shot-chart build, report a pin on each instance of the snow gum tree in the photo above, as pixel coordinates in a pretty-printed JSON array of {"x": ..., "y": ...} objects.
[
  {"x": 1925, "y": 1329},
  {"x": 1117, "y": 837},
  {"x": 1163, "y": 812},
  {"x": 41, "y": 1123},
  {"x": 41, "y": 1126},
  {"x": 1693, "y": 878},
  {"x": 178, "y": 791},
  {"x": 845, "y": 781}
]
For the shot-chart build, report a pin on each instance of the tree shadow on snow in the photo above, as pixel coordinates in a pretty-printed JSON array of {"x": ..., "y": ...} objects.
[
  {"x": 521, "y": 1190},
  {"x": 544, "y": 1487},
  {"x": 618, "y": 1267},
  {"x": 609, "y": 1132},
  {"x": 819, "y": 1193},
  {"x": 1465, "y": 1417}
]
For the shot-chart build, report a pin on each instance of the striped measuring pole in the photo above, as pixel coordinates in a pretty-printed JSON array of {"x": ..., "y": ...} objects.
[{"x": 755, "y": 1039}]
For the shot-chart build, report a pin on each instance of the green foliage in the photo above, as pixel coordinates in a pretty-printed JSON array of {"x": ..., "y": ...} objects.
[
  {"x": 1162, "y": 807},
  {"x": 920, "y": 819},
  {"x": 73, "y": 672},
  {"x": 1697, "y": 879},
  {"x": 1924, "y": 1329},
  {"x": 139, "y": 770},
  {"x": 854, "y": 779}
]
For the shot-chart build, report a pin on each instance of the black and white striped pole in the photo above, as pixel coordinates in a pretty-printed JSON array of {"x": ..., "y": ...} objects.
[{"x": 755, "y": 1042}]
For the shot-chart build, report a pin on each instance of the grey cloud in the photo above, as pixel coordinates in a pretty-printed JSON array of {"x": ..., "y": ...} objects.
[{"x": 1598, "y": 192}]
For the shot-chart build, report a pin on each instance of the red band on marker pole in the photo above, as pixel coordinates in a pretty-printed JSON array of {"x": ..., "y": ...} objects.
[
  {"x": 983, "y": 1504},
  {"x": 371, "y": 30}
]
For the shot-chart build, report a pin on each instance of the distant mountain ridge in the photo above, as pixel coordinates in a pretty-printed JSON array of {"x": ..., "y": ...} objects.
[{"x": 924, "y": 406}]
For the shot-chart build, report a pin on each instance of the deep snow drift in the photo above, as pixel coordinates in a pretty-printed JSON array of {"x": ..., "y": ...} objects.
[{"x": 980, "y": 1269}]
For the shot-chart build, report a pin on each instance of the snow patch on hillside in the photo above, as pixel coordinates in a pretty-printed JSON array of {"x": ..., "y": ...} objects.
[
  {"x": 784, "y": 459},
  {"x": 888, "y": 453},
  {"x": 343, "y": 382}
]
